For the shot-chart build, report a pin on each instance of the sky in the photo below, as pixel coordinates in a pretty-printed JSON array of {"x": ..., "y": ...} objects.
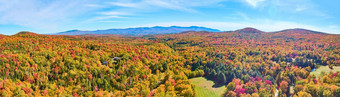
[{"x": 51, "y": 16}]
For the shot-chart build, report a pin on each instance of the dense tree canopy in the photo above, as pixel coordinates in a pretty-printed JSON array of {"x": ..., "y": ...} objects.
[{"x": 249, "y": 64}]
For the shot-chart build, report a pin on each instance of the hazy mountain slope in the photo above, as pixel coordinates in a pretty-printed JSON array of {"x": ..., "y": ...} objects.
[{"x": 140, "y": 30}]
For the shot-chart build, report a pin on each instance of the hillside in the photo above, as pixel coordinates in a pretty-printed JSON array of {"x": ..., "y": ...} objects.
[
  {"x": 1, "y": 35},
  {"x": 249, "y": 30},
  {"x": 140, "y": 31},
  {"x": 300, "y": 31},
  {"x": 25, "y": 33},
  {"x": 247, "y": 62}
]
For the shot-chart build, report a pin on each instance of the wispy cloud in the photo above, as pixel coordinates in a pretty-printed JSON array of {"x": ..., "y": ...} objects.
[
  {"x": 243, "y": 15},
  {"x": 179, "y": 5},
  {"x": 109, "y": 21},
  {"x": 300, "y": 8},
  {"x": 39, "y": 14},
  {"x": 94, "y": 5},
  {"x": 174, "y": 5},
  {"x": 254, "y": 3},
  {"x": 114, "y": 13},
  {"x": 128, "y": 8},
  {"x": 101, "y": 19},
  {"x": 129, "y": 4},
  {"x": 333, "y": 26}
]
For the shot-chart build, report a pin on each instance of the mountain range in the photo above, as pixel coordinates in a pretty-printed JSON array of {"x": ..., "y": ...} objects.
[
  {"x": 177, "y": 29},
  {"x": 286, "y": 31},
  {"x": 140, "y": 31}
]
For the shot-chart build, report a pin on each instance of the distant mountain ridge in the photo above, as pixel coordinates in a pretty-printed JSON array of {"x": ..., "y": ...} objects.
[
  {"x": 140, "y": 31},
  {"x": 174, "y": 30},
  {"x": 300, "y": 30},
  {"x": 249, "y": 30}
]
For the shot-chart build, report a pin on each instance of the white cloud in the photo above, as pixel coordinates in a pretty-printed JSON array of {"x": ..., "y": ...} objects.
[
  {"x": 174, "y": 5},
  {"x": 114, "y": 13},
  {"x": 243, "y": 15},
  {"x": 292, "y": 7},
  {"x": 333, "y": 26},
  {"x": 265, "y": 25},
  {"x": 48, "y": 15},
  {"x": 109, "y": 21},
  {"x": 100, "y": 19},
  {"x": 283, "y": 5},
  {"x": 125, "y": 8},
  {"x": 181, "y": 5},
  {"x": 153, "y": 4},
  {"x": 94, "y": 5},
  {"x": 254, "y": 3},
  {"x": 300, "y": 8},
  {"x": 120, "y": 4}
]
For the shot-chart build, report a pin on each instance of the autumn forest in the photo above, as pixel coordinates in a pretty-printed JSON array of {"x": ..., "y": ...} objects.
[{"x": 247, "y": 62}]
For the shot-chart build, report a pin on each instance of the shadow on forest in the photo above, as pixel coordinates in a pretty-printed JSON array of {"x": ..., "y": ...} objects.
[{"x": 216, "y": 84}]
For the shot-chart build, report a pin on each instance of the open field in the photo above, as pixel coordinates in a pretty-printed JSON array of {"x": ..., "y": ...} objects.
[
  {"x": 326, "y": 69},
  {"x": 204, "y": 88}
]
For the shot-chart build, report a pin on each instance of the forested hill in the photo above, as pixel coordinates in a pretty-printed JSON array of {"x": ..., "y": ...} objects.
[
  {"x": 140, "y": 31},
  {"x": 248, "y": 62}
]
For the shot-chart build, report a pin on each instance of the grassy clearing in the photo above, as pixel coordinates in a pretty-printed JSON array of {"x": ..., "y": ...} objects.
[
  {"x": 204, "y": 88},
  {"x": 325, "y": 69}
]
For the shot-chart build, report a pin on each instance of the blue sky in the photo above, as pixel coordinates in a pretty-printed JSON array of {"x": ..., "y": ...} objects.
[{"x": 49, "y": 16}]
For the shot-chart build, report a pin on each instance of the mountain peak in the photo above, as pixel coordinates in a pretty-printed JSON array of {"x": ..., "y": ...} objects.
[
  {"x": 249, "y": 30},
  {"x": 26, "y": 33},
  {"x": 301, "y": 31}
]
